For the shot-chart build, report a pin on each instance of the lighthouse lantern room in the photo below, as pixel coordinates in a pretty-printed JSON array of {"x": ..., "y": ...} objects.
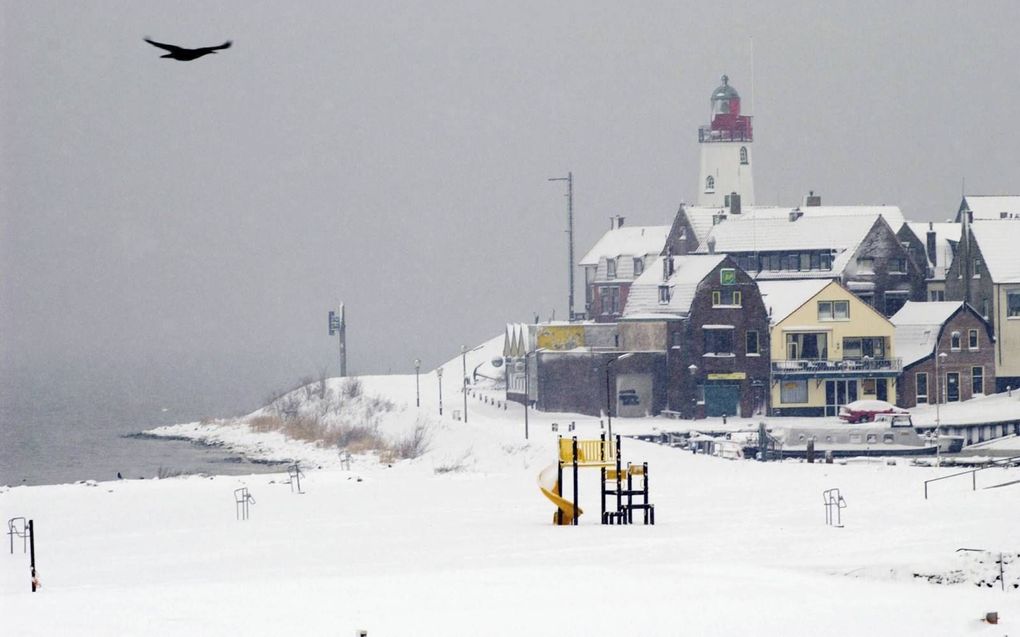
[{"x": 726, "y": 151}]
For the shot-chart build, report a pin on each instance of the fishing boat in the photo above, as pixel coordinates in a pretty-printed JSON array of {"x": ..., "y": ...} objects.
[{"x": 889, "y": 435}]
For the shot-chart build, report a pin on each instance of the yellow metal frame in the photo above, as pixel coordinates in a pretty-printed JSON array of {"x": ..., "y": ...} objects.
[{"x": 590, "y": 453}]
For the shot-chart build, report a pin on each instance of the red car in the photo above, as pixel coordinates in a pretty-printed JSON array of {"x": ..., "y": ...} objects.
[{"x": 865, "y": 410}]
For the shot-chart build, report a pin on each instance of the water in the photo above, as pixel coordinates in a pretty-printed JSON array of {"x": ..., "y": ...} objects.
[{"x": 60, "y": 426}]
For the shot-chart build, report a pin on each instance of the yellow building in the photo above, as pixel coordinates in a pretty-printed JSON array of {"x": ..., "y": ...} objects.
[{"x": 829, "y": 348}]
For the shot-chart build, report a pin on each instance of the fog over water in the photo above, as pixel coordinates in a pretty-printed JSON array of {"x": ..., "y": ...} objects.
[{"x": 173, "y": 234}]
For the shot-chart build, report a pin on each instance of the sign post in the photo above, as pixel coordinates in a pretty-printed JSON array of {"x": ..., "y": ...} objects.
[{"x": 338, "y": 326}]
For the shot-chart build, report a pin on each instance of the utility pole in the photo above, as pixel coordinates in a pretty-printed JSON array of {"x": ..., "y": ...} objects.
[
  {"x": 463, "y": 382},
  {"x": 338, "y": 326},
  {"x": 570, "y": 240}
]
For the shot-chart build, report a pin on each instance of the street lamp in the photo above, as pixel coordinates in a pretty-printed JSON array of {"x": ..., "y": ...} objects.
[
  {"x": 693, "y": 369},
  {"x": 417, "y": 384},
  {"x": 439, "y": 375},
  {"x": 527, "y": 393},
  {"x": 609, "y": 408},
  {"x": 463, "y": 382}
]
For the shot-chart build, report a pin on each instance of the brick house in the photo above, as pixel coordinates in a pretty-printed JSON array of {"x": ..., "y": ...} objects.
[
  {"x": 959, "y": 337},
  {"x": 932, "y": 246},
  {"x": 612, "y": 264},
  {"x": 706, "y": 317},
  {"x": 986, "y": 274}
]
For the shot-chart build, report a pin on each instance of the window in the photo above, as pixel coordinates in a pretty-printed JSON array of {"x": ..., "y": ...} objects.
[
  {"x": 866, "y": 265},
  {"x": 677, "y": 338},
  {"x": 716, "y": 298},
  {"x": 726, "y": 298},
  {"x": 826, "y": 260},
  {"x": 833, "y": 310},
  {"x": 807, "y": 345},
  {"x": 977, "y": 380},
  {"x": 719, "y": 342},
  {"x": 936, "y": 295},
  {"x": 699, "y": 394},
  {"x": 611, "y": 300},
  {"x": 867, "y": 297},
  {"x": 952, "y": 387},
  {"x": 663, "y": 294},
  {"x": 894, "y": 301},
  {"x": 872, "y": 438},
  {"x": 743, "y": 155},
  {"x": 752, "y": 343},
  {"x": 984, "y": 308},
  {"x": 805, "y": 260},
  {"x": 610, "y": 268},
  {"x": 954, "y": 341},
  {"x": 855, "y": 347},
  {"x": 639, "y": 266},
  {"x": 888, "y": 438},
  {"x": 774, "y": 264},
  {"x": 793, "y": 391},
  {"x": 868, "y": 386},
  {"x": 710, "y": 184},
  {"x": 1013, "y": 304},
  {"x": 898, "y": 266},
  {"x": 972, "y": 339},
  {"x": 921, "y": 380},
  {"x": 977, "y": 268}
]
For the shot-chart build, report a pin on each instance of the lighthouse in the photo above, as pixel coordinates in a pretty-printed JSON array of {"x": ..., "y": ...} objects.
[{"x": 726, "y": 160}]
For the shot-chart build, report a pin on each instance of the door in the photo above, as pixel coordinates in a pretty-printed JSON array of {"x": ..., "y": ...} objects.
[
  {"x": 952, "y": 387},
  {"x": 839, "y": 393},
  {"x": 722, "y": 400},
  {"x": 882, "y": 386}
]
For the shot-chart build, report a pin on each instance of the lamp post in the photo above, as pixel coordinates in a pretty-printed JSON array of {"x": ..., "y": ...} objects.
[
  {"x": 463, "y": 382},
  {"x": 417, "y": 384},
  {"x": 609, "y": 405},
  {"x": 439, "y": 375},
  {"x": 527, "y": 394},
  {"x": 693, "y": 369}
]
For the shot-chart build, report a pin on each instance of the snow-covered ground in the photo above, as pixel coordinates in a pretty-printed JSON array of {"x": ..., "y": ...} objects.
[{"x": 459, "y": 542}]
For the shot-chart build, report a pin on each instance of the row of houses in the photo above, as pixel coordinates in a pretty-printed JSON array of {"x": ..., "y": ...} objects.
[{"x": 787, "y": 311}]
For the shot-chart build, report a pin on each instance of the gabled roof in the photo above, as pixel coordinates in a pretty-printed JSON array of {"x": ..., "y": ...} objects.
[
  {"x": 702, "y": 219},
  {"x": 918, "y": 326},
  {"x": 782, "y": 298},
  {"x": 635, "y": 241},
  {"x": 991, "y": 206},
  {"x": 946, "y": 234},
  {"x": 688, "y": 271},
  {"x": 999, "y": 242}
]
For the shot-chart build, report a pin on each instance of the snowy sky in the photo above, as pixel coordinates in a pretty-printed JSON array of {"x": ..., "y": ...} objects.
[{"x": 206, "y": 215}]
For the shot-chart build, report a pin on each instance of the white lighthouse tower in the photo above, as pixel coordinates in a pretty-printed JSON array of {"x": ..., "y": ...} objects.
[{"x": 726, "y": 160}]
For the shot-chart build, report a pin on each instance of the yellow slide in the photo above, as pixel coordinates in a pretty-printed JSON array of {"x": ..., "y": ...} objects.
[{"x": 551, "y": 489}]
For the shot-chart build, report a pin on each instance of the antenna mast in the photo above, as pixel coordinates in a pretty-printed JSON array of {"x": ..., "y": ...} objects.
[{"x": 570, "y": 240}]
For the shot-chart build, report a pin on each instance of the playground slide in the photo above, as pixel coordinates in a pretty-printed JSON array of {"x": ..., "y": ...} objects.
[{"x": 547, "y": 483}]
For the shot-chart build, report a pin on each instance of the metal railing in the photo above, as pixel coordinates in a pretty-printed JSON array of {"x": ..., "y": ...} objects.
[
  {"x": 972, "y": 472},
  {"x": 808, "y": 367},
  {"x": 708, "y": 134}
]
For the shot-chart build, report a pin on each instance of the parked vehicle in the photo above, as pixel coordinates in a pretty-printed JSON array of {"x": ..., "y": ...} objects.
[{"x": 866, "y": 410}]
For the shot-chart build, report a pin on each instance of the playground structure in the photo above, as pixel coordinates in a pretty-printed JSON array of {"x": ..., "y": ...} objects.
[{"x": 617, "y": 481}]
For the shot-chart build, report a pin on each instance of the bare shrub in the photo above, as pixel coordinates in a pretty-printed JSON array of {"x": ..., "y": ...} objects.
[
  {"x": 166, "y": 472},
  {"x": 415, "y": 443},
  {"x": 455, "y": 466},
  {"x": 358, "y": 438},
  {"x": 351, "y": 388},
  {"x": 265, "y": 423},
  {"x": 306, "y": 428}
]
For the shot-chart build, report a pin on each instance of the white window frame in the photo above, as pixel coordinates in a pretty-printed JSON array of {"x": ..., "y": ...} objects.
[
  {"x": 710, "y": 184},
  {"x": 610, "y": 269},
  {"x": 972, "y": 337},
  {"x": 981, "y": 375},
  {"x": 919, "y": 398}
]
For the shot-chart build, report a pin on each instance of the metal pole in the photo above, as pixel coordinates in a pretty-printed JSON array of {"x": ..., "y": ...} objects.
[
  {"x": 31, "y": 545},
  {"x": 417, "y": 384},
  {"x": 463, "y": 382},
  {"x": 570, "y": 240},
  {"x": 609, "y": 409},
  {"x": 439, "y": 375},
  {"x": 342, "y": 339},
  {"x": 527, "y": 395}
]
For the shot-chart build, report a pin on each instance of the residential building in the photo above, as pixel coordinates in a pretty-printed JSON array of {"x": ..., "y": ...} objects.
[
  {"x": 986, "y": 274},
  {"x": 933, "y": 247},
  {"x": 989, "y": 207},
  {"x": 612, "y": 264},
  {"x": 854, "y": 244},
  {"x": 707, "y": 318},
  {"x": 829, "y": 348},
  {"x": 947, "y": 350}
]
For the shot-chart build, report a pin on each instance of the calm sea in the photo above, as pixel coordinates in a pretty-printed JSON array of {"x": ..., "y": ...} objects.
[{"x": 65, "y": 425}]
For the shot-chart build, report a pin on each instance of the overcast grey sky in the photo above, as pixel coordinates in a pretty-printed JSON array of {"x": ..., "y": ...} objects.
[{"x": 204, "y": 216}]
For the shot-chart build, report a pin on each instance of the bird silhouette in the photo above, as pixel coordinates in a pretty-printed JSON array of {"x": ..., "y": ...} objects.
[{"x": 186, "y": 55}]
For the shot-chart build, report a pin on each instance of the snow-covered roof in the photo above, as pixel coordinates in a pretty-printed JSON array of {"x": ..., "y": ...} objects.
[
  {"x": 999, "y": 241},
  {"x": 993, "y": 206},
  {"x": 635, "y": 241},
  {"x": 945, "y": 234},
  {"x": 918, "y": 326},
  {"x": 782, "y": 298},
  {"x": 688, "y": 271}
]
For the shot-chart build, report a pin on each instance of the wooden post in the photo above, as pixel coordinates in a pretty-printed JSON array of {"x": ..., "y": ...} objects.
[{"x": 31, "y": 545}]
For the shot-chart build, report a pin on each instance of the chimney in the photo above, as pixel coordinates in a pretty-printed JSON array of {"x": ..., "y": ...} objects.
[
  {"x": 667, "y": 264},
  {"x": 812, "y": 200},
  {"x": 733, "y": 203},
  {"x": 795, "y": 214},
  {"x": 930, "y": 244},
  {"x": 618, "y": 221},
  {"x": 711, "y": 245}
]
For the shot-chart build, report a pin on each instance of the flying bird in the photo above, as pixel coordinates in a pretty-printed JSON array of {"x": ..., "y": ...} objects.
[{"x": 186, "y": 55}]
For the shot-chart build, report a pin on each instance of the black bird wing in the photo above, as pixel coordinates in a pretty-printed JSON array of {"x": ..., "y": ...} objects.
[
  {"x": 225, "y": 45},
  {"x": 166, "y": 47}
]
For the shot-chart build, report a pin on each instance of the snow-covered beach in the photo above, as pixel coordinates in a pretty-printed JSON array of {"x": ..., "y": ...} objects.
[{"x": 459, "y": 541}]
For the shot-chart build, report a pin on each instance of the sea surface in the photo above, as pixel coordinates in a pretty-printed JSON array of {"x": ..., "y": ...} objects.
[{"x": 65, "y": 425}]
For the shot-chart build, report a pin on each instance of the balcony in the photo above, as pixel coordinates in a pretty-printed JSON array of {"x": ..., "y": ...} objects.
[
  {"x": 708, "y": 134},
  {"x": 850, "y": 368}
]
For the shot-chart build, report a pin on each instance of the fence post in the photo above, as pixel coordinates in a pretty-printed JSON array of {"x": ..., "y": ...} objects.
[{"x": 31, "y": 545}]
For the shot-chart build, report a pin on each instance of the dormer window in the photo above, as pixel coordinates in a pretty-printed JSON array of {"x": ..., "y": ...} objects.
[
  {"x": 610, "y": 268},
  {"x": 663, "y": 294},
  {"x": 710, "y": 184},
  {"x": 639, "y": 266},
  {"x": 743, "y": 155}
]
